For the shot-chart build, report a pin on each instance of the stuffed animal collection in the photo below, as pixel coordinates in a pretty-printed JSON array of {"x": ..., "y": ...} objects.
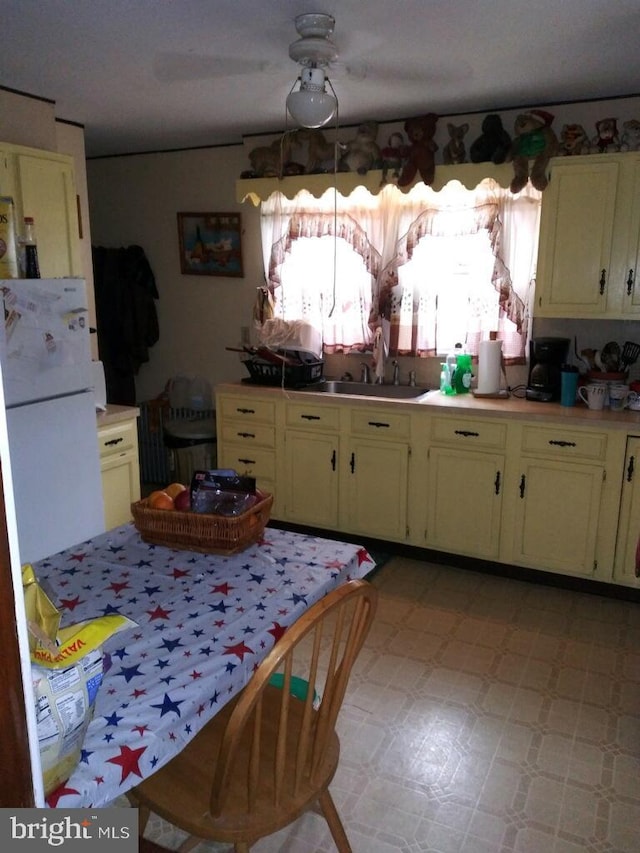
[{"x": 402, "y": 160}]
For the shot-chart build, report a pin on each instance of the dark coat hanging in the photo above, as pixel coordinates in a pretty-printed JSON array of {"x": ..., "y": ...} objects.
[{"x": 127, "y": 320}]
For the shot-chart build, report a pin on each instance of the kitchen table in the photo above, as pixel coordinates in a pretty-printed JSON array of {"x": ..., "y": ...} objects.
[{"x": 204, "y": 623}]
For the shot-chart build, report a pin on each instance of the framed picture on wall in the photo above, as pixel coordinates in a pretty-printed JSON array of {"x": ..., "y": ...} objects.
[{"x": 210, "y": 244}]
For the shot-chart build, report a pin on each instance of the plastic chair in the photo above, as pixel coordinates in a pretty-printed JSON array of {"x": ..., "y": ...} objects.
[{"x": 269, "y": 755}]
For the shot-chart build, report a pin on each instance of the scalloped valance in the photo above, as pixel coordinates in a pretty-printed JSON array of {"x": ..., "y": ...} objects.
[{"x": 470, "y": 175}]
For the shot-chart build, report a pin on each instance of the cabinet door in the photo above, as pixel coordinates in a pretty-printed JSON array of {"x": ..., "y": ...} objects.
[
  {"x": 576, "y": 234},
  {"x": 376, "y": 484},
  {"x": 631, "y": 273},
  {"x": 556, "y": 518},
  {"x": 311, "y": 479},
  {"x": 47, "y": 191},
  {"x": 627, "y": 560},
  {"x": 120, "y": 487},
  {"x": 465, "y": 501}
]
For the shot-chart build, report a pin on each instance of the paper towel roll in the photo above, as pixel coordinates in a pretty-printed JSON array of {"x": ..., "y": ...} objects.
[{"x": 489, "y": 366}]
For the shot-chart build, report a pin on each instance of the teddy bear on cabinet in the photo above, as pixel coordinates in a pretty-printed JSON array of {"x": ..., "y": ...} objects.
[
  {"x": 455, "y": 151},
  {"x": 534, "y": 144},
  {"x": 493, "y": 143},
  {"x": 422, "y": 148},
  {"x": 362, "y": 153}
]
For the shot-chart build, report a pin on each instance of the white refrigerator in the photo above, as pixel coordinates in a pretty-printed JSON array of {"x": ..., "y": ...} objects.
[{"x": 45, "y": 357}]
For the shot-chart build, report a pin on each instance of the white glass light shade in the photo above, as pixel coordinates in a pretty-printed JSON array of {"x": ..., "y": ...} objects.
[{"x": 311, "y": 105}]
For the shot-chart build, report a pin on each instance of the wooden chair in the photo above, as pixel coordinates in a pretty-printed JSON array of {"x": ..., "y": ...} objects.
[{"x": 269, "y": 755}]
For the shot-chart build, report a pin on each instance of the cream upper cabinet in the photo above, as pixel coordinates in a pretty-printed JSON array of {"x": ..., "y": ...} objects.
[
  {"x": 627, "y": 563},
  {"x": 588, "y": 255},
  {"x": 466, "y": 462},
  {"x": 42, "y": 185}
]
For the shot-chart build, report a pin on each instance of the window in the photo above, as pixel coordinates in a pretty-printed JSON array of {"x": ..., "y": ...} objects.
[{"x": 430, "y": 268}]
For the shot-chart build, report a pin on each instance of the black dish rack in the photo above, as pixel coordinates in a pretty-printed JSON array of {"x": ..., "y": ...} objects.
[{"x": 295, "y": 375}]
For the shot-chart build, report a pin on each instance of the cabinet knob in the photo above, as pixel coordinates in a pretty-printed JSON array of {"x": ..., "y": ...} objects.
[
  {"x": 603, "y": 281},
  {"x": 630, "y": 283}
]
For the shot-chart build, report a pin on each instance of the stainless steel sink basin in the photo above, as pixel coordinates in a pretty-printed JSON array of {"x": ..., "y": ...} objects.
[{"x": 365, "y": 389}]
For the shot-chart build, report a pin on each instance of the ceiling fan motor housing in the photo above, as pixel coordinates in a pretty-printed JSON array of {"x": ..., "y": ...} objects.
[{"x": 315, "y": 48}]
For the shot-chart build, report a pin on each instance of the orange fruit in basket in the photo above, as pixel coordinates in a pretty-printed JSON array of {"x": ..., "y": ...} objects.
[
  {"x": 160, "y": 500},
  {"x": 174, "y": 489}
]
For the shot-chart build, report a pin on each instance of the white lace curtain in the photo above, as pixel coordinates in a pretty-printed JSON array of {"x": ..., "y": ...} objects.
[{"x": 413, "y": 263}]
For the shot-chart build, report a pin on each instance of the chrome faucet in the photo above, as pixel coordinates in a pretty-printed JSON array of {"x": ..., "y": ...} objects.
[
  {"x": 396, "y": 372},
  {"x": 365, "y": 376}
]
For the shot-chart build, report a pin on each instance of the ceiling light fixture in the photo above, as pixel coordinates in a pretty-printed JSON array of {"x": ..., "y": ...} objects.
[{"x": 311, "y": 105}]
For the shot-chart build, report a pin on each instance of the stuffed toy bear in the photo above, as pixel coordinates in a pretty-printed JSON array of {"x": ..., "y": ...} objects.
[
  {"x": 420, "y": 157},
  {"x": 363, "y": 152},
  {"x": 455, "y": 151},
  {"x": 630, "y": 139},
  {"x": 535, "y": 141},
  {"x": 394, "y": 156},
  {"x": 606, "y": 138},
  {"x": 573, "y": 140},
  {"x": 493, "y": 143}
]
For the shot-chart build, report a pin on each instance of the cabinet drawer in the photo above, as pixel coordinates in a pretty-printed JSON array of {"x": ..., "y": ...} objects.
[
  {"x": 253, "y": 461},
  {"x": 559, "y": 442},
  {"x": 117, "y": 438},
  {"x": 248, "y": 409},
  {"x": 381, "y": 423},
  {"x": 302, "y": 415},
  {"x": 249, "y": 434},
  {"x": 474, "y": 434}
]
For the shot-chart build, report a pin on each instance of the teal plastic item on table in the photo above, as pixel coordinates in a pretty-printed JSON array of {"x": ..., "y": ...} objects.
[{"x": 298, "y": 687}]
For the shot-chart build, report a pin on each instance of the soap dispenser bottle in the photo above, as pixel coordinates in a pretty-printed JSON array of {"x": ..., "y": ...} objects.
[{"x": 448, "y": 372}]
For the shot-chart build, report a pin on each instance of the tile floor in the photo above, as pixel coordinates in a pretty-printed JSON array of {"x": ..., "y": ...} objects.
[{"x": 484, "y": 715}]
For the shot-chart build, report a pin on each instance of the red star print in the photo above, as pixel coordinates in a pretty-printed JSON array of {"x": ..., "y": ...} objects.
[
  {"x": 78, "y": 557},
  {"x": 180, "y": 573},
  {"x": 138, "y": 693},
  {"x": 140, "y": 729},
  {"x": 59, "y": 792},
  {"x": 158, "y": 613},
  {"x": 363, "y": 557},
  {"x": 222, "y": 588},
  {"x": 70, "y": 603},
  {"x": 195, "y": 675},
  {"x": 118, "y": 587},
  {"x": 277, "y": 631},
  {"x": 334, "y": 564},
  {"x": 240, "y": 649},
  {"x": 128, "y": 761}
]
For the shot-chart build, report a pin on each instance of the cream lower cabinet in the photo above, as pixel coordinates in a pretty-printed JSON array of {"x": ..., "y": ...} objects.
[
  {"x": 627, "y": 561},
  {"x": 561, "y": 501},
  {"x": 589, "y": 238},
  {"x": 42, "y": 185},
  {"x": 311, "y": 464},
  {"x": 120, "y": 470},
  {"x": 465, "y": 475},
  {"x": 246, "y": 439},
  {"x": 376, "y": 473}
]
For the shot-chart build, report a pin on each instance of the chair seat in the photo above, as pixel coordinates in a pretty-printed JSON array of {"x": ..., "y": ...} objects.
[{"x": 184, "y": 785}]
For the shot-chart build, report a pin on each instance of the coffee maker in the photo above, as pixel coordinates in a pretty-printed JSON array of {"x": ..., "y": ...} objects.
[{"x": 546, "y": 357}]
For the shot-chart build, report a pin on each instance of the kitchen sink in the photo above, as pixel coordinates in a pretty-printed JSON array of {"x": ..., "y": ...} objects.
[{"x": 366, "y": 389}]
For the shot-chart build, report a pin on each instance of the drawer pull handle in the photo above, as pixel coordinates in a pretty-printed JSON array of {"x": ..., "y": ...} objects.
[
  {"x": 333, "y": 461},
  {"x": 559, "y": 443},
  {"x": 310, "y": 417},
  {"x": 630, "y": 283},
  {"x": 522, "y": 483},
  {"x": 603, "y": 281},
  {"x": 246, "y": 434},
  {"x": 246, "y": 411},
  {"x": 466, "y": 433},
  {"x": 352, "y": 463},
  {"x": 497, "y": 483},
  {"x": 378, "y": 424},
  {"x": 247, "y": 461},
  {"x": 113, "y": 441},
  {"x": 630, "y": 468}
]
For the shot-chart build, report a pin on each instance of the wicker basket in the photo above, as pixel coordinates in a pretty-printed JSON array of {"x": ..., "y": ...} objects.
[{"x": 203, "y": 532}]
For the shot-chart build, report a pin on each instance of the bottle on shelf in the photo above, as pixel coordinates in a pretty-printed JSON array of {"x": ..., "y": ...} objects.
[{"x": 31, "y": 264}]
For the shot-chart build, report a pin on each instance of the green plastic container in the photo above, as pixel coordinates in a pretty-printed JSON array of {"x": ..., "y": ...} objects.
[{"x": 463, "y": 374}]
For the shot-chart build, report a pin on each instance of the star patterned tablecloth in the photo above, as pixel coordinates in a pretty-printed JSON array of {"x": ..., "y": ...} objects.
[{"x": 204, "y": 622}]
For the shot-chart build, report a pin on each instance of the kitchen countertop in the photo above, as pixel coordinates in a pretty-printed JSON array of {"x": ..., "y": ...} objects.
[
  {"x": 463, "y": 404},
  {"x": 114, "y": 414}
]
